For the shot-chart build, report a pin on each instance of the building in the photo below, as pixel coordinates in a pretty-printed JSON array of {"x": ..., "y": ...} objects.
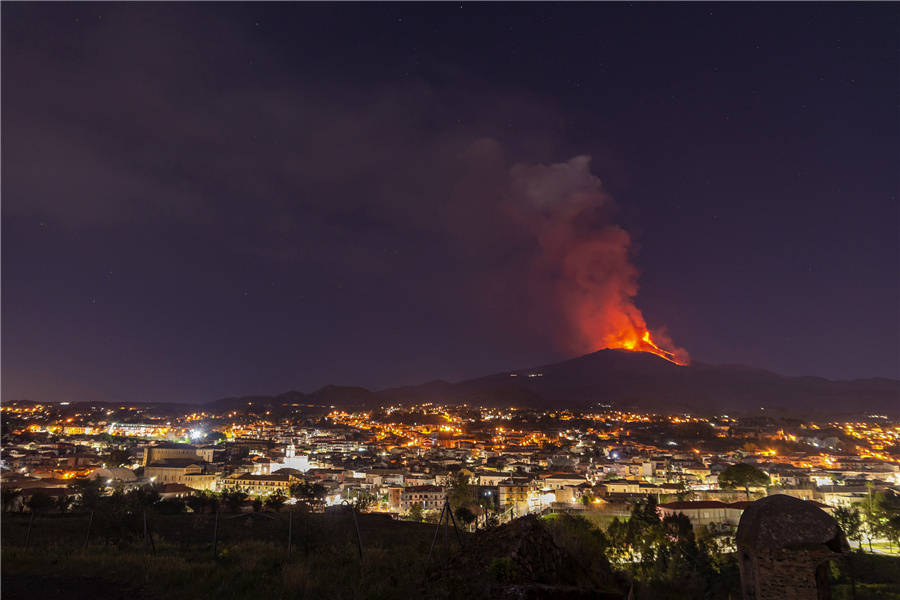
[
  {"x": 558, "y": 481},
  {"x": 620, "y": 486},
  {"x": 134, "y": 429},
  {"x": 431, "y": 497},
  {"x": 704, "y": 512},
  {"x": 512, "y": 493},
  {"x": 260, "y": 485},
  {"x": 291, "y": 461},
  {"x": 117, "y": 474},
  {"x": 186, "y": 471},
  {"x": 167, "y": 451},
  {"x": 490, "y": 478},
  {"x": 713, "y": 512},
  {"x": 175, "y": 490}
]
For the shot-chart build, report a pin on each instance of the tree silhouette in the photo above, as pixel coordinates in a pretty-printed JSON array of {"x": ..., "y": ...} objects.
[
  {"x": 850, "y": 522},
  {"x": 40, "y": 502},
  {"x": 459, "y": 490},
  {"x": 87, "y": 491},
  {"x": 465, "y": 515},
  {"x": 416, "y": 512},
  {"x": 10, "y": 497},
  {"x": 117, "y": 457},
  {"x": 275, "y": 501},
  {"x": 743, "y": 476},
  {"x": 308, "y": 493}
]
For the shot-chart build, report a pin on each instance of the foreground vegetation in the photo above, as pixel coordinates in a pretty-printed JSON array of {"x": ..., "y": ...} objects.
[{"x": 130, "y": 548}]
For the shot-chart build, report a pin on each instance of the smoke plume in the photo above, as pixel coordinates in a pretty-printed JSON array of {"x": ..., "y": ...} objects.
[{"x": 583, "y": 259}]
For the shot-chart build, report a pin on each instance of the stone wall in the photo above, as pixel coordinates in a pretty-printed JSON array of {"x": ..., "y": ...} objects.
[{"x": 784, "y": 574}]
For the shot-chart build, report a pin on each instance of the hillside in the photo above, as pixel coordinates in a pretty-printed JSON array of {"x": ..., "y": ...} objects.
[{"x": 626, "y": 380}]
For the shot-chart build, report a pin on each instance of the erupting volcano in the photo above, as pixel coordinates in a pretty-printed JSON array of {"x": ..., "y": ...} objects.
[
  {"x": 646, "y": 344},
  {"x": 584, "y": 262}
]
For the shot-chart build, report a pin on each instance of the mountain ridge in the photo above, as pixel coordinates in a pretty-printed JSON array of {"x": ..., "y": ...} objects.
[{"x": 623, "y": 379}]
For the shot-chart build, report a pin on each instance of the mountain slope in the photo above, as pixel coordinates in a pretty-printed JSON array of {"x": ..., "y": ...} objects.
[
  {"x": 626, "y": 380},
  {"x": 643, "y": 380}
]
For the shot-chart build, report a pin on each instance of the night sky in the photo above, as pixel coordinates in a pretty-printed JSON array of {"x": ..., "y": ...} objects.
[{"x": 210, "y": 200}]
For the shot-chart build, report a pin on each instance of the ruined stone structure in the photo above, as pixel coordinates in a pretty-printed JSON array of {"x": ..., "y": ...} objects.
[{"x": 784, "y": 548}]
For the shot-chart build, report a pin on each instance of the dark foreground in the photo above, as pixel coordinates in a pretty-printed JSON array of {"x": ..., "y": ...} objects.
[{"x": 560, "y": 557}]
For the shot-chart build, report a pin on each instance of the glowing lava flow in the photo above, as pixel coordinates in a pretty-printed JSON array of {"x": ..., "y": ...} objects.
[{"x": 644, "y": 344}]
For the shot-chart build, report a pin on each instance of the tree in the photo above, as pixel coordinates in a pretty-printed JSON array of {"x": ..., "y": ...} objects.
[
  {"x": 170, "y": 506},
  {"x": 666, "y": 555},
  {"x": 888, "y": 504},
  {"x": 870, "y": 516},
  {"x": 10, "y": 497},
  {"x": 214, "y": 437},
  {"x": 202, "y": 500},
  {"x": 643, "y": 531},
  {"x": 234, "y": 499},
  {"x": 617, "y": 534},
  {"x": 117, "y": 457},
  {"x": 362, "y": 501},
  {"x": 87, "y": 491},
  {"x": 850, "y": 522},
  {"x": 465, "y": 515},
  {"x": 743, "y": 476},
  {"x": 416, "y": 512},
  {"x": 308, "y": 493},
  {"x": 684, "y": 492},
  {"x": 585, "y": 543},
  {"x": 275, "y": 501},
  {"x": 142, "y": 498},
  {"x": 459, "y": 490},
  {"x": 105, "y": 439},
  {"x": 63, "y": 503},
  {"x": 39, "y": 502}
]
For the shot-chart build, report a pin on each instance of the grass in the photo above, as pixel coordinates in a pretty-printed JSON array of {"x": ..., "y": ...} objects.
[
  {"x": 241, "y": 571},
  {"x": 251, "y": 561}
]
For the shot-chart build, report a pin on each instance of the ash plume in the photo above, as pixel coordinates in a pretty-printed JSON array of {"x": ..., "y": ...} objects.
[{"x": 583, "y": 267}]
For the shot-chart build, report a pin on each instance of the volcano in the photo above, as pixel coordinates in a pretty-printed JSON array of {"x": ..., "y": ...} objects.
[
  {"x": 645, "y": 381},
  {"x": 629, "y": 380}
]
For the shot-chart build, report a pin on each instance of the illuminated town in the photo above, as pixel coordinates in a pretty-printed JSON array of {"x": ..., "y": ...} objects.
[{"x": 517, "y": 461}]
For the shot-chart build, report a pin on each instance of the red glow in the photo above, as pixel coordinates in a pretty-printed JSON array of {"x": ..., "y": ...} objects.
[{"x": 646, "y": 344}]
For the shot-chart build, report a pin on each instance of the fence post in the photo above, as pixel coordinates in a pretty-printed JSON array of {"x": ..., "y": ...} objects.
[
  {"x": 455, "y": 528},
  {"x": 437, "y": 531},
  {"x": 216, "y": 534},
  {"x": 356, "y": 525},
  {"x": 28, "y": 531},
  {"x": 290, "y": 530},
  {"x": 148, "y": 533},
  {"x": 87, "y": 536},
  {"x": 306, "y": 533}
]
